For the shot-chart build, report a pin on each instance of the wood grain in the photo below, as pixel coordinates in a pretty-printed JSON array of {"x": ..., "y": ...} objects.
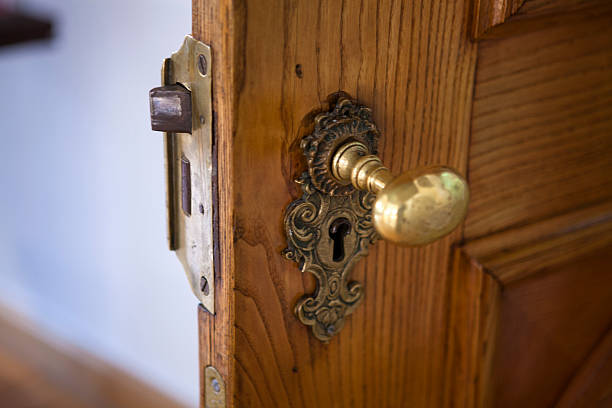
[
  {"x": 539, "y": 224},
  {"x": 537, "y": 8},
  {"x": 541, "y": 126},
  {"x": 592, "y": 384},
  {"x": 414, "y": 65},
  {"x": 517, "y": 342},
  {"x": 538, "y": 15},
  {"x": 550, "y": 323},
  {"x": 37, "y": 371},
  {"x": 490, "y": 13},
  {"x": 219, "y": 24},
  {"x": 473, "y": 326},
  {"x": 428, "y": 331},
  {"x": 519, "y": 252},
  {"x": 505, "y": 18}
]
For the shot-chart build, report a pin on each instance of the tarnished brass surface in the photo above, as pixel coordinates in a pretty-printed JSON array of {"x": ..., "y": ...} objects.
[
  {"x": 309, "y": 224},
  {"x": 416, "y": 208},
  {"x": 339, "y": 208},
  {"x": 353, "y": 164},
  {"x": 421, "y": 206},
  {"x": 214, "y": 388},
  {"x": 330, "y": 227},
  {"x": 189, "y": 195},
  {"x": 345, "y": 122}
]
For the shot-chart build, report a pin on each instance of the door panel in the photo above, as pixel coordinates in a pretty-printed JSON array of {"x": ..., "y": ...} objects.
[
  {"x": 590, "y": 385},
  {"x": 520, "y": 338},
  {"x": 549, "y": 324},
  {"x": 541, "y": 123},
  {"x": 531, "y": 299}
]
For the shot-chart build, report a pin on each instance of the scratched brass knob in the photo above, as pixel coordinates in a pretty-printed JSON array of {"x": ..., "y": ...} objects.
[{"x": 416, "y": 208}]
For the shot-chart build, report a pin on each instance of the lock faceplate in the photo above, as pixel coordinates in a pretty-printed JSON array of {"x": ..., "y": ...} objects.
[
  {"x": 188, "y": 155},
  {"x": 330, "y": 227}
]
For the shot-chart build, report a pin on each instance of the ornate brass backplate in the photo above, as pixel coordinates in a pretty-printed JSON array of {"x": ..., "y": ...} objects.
[{"x": 330, "y": 227}]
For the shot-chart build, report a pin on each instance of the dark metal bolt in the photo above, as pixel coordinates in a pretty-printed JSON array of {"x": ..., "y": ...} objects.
[{"x": 170, "y": 109}]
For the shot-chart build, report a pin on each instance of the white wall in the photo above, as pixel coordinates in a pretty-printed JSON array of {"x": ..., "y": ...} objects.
[{"x": 82, "y": 218}]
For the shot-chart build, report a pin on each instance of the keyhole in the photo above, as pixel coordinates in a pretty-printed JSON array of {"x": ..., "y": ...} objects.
[{"x": 337, "y": 231}]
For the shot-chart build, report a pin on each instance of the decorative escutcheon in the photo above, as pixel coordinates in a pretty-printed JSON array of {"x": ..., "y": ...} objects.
[
  {"x": 349, "y": 200},
  {"x": 330, "y": 227}
]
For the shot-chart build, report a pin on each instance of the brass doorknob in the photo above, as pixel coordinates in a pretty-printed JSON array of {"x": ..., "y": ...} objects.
[{"x": 416, "y": 208}]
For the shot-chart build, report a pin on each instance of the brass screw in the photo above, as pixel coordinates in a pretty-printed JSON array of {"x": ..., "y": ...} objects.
[
  {"x": 202, "y": 64},
  {"x": 215, "y": 385}
]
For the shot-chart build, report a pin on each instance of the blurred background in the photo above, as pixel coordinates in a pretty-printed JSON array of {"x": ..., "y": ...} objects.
[{"x": 83, "y": 254}]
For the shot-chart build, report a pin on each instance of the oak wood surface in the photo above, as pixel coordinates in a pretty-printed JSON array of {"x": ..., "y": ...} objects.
[
  {"x": 537, "y": 8},
  {"x": 541, "y": 124},
  {"x": 414, "y": 64},
  {"x": 473, "y": 325},
  {"x": 550, "y": 322},
  {"x": 490, "y": 13},
  {"x": 519, "y": 252},
  {"x": 505, "y": 18},
  {"x": 541, "y": 341},
  {"x": 591, "y": 387},
  {"x": 540, "y": 171},
  {"x": 525, "y": 311},
  {"x": 218, "y": 24}
]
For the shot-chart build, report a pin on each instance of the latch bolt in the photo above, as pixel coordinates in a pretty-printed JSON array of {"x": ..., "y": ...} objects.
[{"x": 171, "y": 109}]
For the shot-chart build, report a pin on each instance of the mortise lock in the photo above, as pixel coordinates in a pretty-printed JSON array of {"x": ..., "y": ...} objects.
[
  {"x": 349, "y": 200},
  {"x": 182, "y": 108}
]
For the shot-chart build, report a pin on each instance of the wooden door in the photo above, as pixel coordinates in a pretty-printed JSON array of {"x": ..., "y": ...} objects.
[{"x": 512, "y": 309}]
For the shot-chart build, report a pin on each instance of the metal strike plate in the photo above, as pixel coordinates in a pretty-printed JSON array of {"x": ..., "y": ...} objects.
[
  {"x": 330, "y": 227},
  {"x": 188, "y": 159},
  {"x": 214, "y": 388}
]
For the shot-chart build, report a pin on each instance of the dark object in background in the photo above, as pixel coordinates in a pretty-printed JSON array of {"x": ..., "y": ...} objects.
[{"x": 17, "y": 27}]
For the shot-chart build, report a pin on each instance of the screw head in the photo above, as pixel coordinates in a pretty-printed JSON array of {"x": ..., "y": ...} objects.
[
  {"x": 204, "y": 286},
  {"x": 216, "y": 386},
  {"x": 202, "y": 64}
]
